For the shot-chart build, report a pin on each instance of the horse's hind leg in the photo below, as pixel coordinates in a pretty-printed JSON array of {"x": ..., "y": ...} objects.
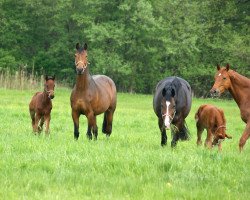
[
  {"x": 163, "y": 132},
  {"x": 245, "y": 136},
  {"x": 32, "y": 116},
  {"x": 92, "y": 124},
  {"x": 107, "y": 122},
  {"x": 199, "y": 133},
  {"x": 89, "y": 134},
  {"x": 75, "y": 117},
  {"x": 40, "y": 126}
]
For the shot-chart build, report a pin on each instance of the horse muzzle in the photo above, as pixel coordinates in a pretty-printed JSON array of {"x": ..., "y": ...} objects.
[{"x": 215, "y": 92}]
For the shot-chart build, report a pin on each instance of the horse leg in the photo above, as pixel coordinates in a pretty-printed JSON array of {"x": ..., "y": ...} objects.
[
  {"x": 47, "y": 121},
  {"x": 40, "y": 126},
  {"x": 199, "y": 133},
  {"x": 208, "y": 142},
  {"x": 89, "y": 134},
  {"x": 176, "y": 133},
  {"x": 75, "y": 117},
  {"x": 37, "y": 119},
  {"x": 245, "y": 136},
  {"x": 163, "y": 132},
  {"x": 32, "y": 116},
  {"x": 107, "y": 122},
  {"x": 92, "y": 124}
]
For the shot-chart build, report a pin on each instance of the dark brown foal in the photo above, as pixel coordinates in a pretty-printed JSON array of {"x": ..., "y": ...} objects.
[{"x": 40, "y": 106}]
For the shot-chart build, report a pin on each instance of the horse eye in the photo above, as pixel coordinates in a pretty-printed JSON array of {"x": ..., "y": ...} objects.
[{"x": 224, "y": 78}]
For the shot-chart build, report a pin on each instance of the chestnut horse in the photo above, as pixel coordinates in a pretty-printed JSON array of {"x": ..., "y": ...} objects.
[
  {"x": 40, "y": 106},
  {"x": 213, "y": 120},
  {"x": 172, "y": 104},
  {"x": 239, "y": 88},
  {"x": 91, "y": 96}
]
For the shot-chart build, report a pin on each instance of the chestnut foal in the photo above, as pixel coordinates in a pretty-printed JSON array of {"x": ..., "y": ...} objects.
[
  {"x": 40, "y": 106},
  {"x": 213, "y": 120}
]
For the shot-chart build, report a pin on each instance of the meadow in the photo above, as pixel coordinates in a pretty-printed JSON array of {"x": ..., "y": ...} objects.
[{"x": 131, "y": 164}]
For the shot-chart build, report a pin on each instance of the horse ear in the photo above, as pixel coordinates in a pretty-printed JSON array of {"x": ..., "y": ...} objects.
[
  {"x": 53, "y": 77},
  {"x": 163, "y": 92},
  {"x": 46, "y": 77},
  {"x": 173, "y": 92},
  {"x": 218, "y": 67},
  {"x": 227, "y": 67},
  {"x": 85, "y": 46},
  {"x": 77, "y": 46}
]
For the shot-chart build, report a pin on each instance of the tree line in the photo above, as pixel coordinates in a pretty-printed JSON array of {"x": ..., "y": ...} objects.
[{"x": 136, "y": 43}]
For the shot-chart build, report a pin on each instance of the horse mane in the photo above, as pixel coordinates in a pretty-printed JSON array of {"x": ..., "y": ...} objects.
[{"x": 238, "y": 77}]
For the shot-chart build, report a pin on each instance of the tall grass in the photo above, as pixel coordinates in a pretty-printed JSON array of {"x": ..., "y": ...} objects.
[
  {"x": 131, "y": 164},
  {"x": 20, "y": 79}
]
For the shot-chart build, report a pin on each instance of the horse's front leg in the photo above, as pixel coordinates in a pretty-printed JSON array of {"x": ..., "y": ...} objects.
[
  {"x": 47, "y": 122},
  {"x": 92, "y": 124},
  {"x": 175, "y": 130},
  {"x": 75, "y": 117},
  {"x": 245, "y": 136},
  {"x": 163, "y": 132}
]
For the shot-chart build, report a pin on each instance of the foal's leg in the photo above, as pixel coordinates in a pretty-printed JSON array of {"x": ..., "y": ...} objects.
[
  {"x": 40, "y": 125},
  {"x": 200, "y": 129},
  {"x": 163, "y": 132},
  {"x": 75, "y": 117},
  {"x": 245, "y": 136},
  {"x": 208, "y": 142},
  {"x": 32, "y": 116},
  {"x": 47, "y": 121},
  {"x": 107, "y": 122},
  {"x": 37, "y": 119}
]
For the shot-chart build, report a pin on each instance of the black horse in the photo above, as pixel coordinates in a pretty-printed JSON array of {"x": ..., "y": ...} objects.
[{"x": 172, "y": 104}]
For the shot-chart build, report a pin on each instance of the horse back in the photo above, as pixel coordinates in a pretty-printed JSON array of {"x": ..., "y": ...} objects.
[{"x": 209, "y": 116}]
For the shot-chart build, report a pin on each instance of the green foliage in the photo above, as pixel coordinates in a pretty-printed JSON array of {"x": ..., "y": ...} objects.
[
  {"x": 131, "y": 164},
  {"x": 136, "y": 43}
]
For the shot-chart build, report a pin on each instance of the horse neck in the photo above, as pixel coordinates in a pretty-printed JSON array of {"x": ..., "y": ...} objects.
[
  {"x": 238, "y": 84},
  {"x": 82, "y": 81},
  {"x": 45, "y": 99}
]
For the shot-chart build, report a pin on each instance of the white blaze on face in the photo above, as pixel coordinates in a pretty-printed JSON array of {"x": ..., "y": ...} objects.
[
  {"x": 167, "y": 118},
  {"x": 219, "y": 74}
]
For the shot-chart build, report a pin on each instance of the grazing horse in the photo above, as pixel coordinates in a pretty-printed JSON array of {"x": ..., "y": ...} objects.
[
  {"x": 239, "y": 88},
  {"x": 172, "y": 104},
  {"x": 40, "y": 106},
  {"x": 91, "y": 96},
  {"x": 213, "y": 120}
]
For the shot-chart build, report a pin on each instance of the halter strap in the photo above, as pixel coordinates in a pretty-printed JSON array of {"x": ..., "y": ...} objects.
[
  {"x": 222, "y": 126},
  {"x": 84, "y": 66},
  {"x": 169, "y": 116}
]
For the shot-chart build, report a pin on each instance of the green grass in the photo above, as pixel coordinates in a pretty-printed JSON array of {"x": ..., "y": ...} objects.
[{"x": 131, "y": 164}]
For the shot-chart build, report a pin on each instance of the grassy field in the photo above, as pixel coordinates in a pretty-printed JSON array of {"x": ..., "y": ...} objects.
[{"x": 131, "y": 164}]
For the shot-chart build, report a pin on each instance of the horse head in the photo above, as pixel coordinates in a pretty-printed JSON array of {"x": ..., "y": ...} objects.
[
  {"x": 220, "y": 135},
  {"x": 222, "y": 81},
  {"x": 81, "y": 58},
  {"x": 168, "y": 109},
  {"x": 49, "y": 86}
]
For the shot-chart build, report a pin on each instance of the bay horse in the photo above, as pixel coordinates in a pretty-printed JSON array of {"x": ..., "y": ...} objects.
[
  {"x": 239, "y": 88},
  {"x": 91, "y": 96},
  {"x": 40, "y": 106},
  {"x": 212, "y": 119},
  {"x": 172, "y": 103}
]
